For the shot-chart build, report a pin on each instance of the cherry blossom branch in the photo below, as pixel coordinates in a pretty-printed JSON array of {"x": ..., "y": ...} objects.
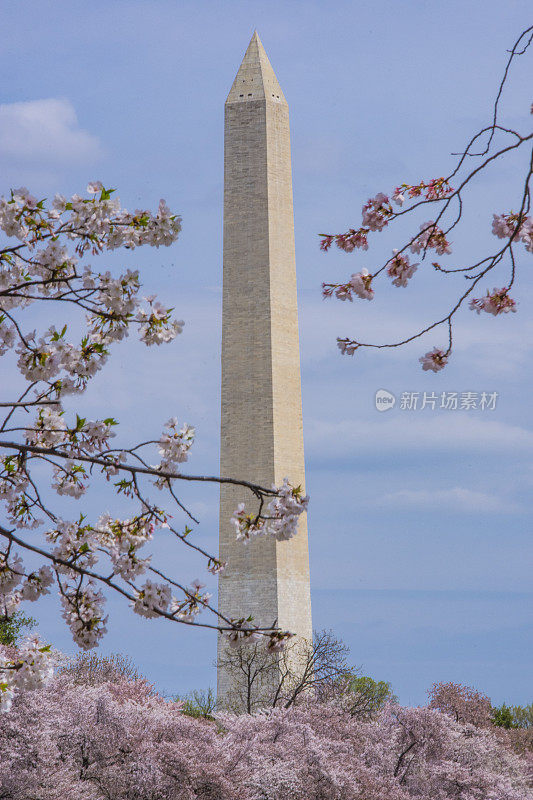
[
  {"x": 83, "y": 572},
  {"x": 378, "y": 213},
  {"x": 30, "y": 403},
  {"x": 257, "y": 489},
  {"x": 41, "y": 268}
]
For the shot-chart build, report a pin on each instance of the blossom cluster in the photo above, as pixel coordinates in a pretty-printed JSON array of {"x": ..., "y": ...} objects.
[
  {"x": 216, "y": 566},
  {"x": 187, "y": 610},
  {"x": 101, "y": 219},
  {"x": 377, "y": 212},
  {"x": 434, "y": 360},
  {"x": 152, "y": 599},
  {"x": 122, "y": 540},
  {"x": 70, "y": 479},
  {"x": 346, "y": 241},
  {"x": 50, "y": 428},
  {"x": 49, "y": 271},
  {"x": 359, "y": 284},
  {"x": 50, "y": 358},
  {"x": 244, "y": 634},
  {"x": 14, "y": 483},
  {"x": 495, "y": 302},
  {"x": 505, "y": 226},
  {"x": 174, "y": 446},
  {"x": 157, "y": 325},
  {"x": 281, "y": 518},
  {"x": 399, "y": 269},
  {"x": 84, "y": 438},
  {"x": 83, "y": 605},
  {"x": 431, "y": 236},
  {"x": 29, "y": 667},
  {"x": 435, "y": 189},
  {"x": 78, "y": 545},
  {"x": 16, "y": 585},
  {"x": 347, "y": 346}
]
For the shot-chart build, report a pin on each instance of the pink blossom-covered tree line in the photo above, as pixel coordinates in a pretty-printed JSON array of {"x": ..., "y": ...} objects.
[{"x": 119, "y": 740}]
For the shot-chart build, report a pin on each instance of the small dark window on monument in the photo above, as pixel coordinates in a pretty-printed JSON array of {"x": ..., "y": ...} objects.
[
  {"x": 277, "y": 96},
  {"x": 241, "y": 95},
  {"x": 249, "y": 95}
]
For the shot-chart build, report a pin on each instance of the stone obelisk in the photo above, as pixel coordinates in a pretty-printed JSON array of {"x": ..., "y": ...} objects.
[{"x": 262, "y": 438}]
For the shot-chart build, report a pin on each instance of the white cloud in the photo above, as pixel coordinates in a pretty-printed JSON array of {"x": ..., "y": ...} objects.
[
  {"x": 454, "y": 499},
  {"x": 38, "y": 131},
  {"x": 405, "y": 432}
]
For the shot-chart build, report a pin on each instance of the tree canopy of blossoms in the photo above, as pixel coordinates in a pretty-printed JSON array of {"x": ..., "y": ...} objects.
[
  {"x": 462, "y": 703},
  {"x": 118, "y": 740},
  {"x": 443, "y": 199},
  {"x": 47, "y": 449}
]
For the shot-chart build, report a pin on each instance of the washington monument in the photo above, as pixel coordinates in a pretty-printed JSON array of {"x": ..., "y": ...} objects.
[{"x": 262, "y": 438}]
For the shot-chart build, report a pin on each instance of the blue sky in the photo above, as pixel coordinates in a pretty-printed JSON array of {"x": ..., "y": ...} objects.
[{"x": 419, "y": 520}]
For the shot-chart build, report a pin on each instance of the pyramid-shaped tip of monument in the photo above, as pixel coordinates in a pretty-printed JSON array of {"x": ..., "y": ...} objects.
[
  {"x": 255, "y": 79},
  {"x": 256, "y": 39}
]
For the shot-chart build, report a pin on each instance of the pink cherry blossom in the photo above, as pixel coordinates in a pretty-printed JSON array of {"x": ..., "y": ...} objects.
[
  {"x": 431, "y": 236},
  {"x": 434, "y": 360},
  {"x": 503, "y": 225},
  {"x": 398, "y": 196},
  {"x": 377, "y": 212},
  {"x": 347, "y": 346},
  {"x": 400, "y": 270},
  {"x": 495, "y": 302}
]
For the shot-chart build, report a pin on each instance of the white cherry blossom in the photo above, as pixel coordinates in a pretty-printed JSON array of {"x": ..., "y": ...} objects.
[
  {"x": 83, "y": 612},
  {"x": 360, "y": 284},
  {"x": 280, "y": 519},
  {"x": 152, "y": 598}
]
